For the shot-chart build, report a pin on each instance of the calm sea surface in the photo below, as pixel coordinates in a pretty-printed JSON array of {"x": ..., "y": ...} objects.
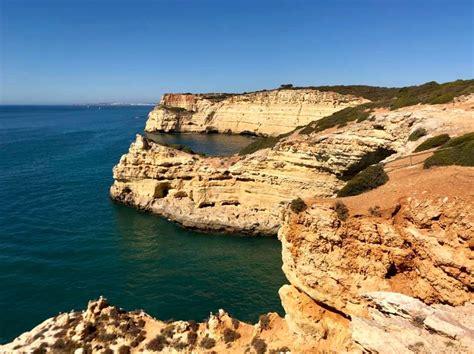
[{"x": 63, "y": 241}]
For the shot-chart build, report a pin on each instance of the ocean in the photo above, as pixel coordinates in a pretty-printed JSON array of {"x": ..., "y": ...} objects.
[{"x": 63, "y": 241}]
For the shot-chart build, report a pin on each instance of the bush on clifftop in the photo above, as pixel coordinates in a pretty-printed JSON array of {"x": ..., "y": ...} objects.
[
  {"x": 370, "y": 178},
  {"x": 458, "y": 151},
  {"x": 417, "y": 134},
  {"x": 433, "y": 142},
  {"x": 298, "y": 205},
  {"x": 262, "y": 143}
]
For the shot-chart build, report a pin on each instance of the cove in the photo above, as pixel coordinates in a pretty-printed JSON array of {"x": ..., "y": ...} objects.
[{"x": 64, "y": 242}]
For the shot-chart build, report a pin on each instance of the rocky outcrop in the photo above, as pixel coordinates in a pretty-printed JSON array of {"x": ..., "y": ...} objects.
[
  {"x": 248, "y": 193},
  {"x": 395, "y": 277},
  {"x": 391, "y": 280},
  {"x": 267, "y": 113},
  {"x": 104, "y": 329}
]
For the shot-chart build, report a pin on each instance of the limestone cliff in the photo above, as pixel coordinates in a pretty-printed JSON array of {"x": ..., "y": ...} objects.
[
  {"x": 267, "y": 113},
  {"x": 248, "y": 193},
  {"x": 392, "y": 274}
]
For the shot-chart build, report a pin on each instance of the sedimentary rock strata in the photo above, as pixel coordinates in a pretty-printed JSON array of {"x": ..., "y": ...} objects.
[
  {"x": 392, "y": 273},
  {"x": 248, "y": 193},
  {"x": 267, "y": 113},
  {"x": 391, "y": 279},
  {"x": 105, "y": 329}
]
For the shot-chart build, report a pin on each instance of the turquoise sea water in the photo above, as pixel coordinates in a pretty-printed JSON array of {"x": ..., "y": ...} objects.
[{"x": 63, "y": 241}]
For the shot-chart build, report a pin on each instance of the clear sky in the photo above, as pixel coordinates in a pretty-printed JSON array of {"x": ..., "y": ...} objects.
[{"x": 73, "y": 51}]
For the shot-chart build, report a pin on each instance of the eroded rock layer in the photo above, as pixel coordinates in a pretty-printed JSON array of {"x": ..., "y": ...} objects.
[
  {"x": 248, "y": 193},
  {"x": 386, "y": 276},
  {"x": 391, "y": 273},
  {"x": 267, "y": 113},
  {"x": 105, "y": 329}
]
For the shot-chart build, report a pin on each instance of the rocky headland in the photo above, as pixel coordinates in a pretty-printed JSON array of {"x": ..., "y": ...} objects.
[
  {"x": 248, "y": 193},
  {"x": 263, "y": 113},
  {"x": 388, "y": 270},
  {"x": 391, "y": 272}
]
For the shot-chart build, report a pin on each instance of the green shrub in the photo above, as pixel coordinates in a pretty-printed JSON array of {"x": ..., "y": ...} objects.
[
  {"x": 417, "y": 134},
  {"x": 359, "y": 113},
  {"x": 157, "y": 344},
  {"x": 369, "y": 159},
  {"x": 192, "y": 338},
  {"x": 259, "y": 144},
  {"x": 370, "y": 178},
  {"x": 298, "y": 205},
  {"x": 393, "y": 98},
  {"x": 433, "y": 142},
  {"x": 459, "y": 151},
  {"x": 124, "y": 349},
  {"x": 459, "y": 140},
  {"x": 230, "y": 335},
  {"x": 341, "y": 210},
  {"x": 264, "y": 320},
  {"x": 175, "y": 109},
  {"x": 207, "y": 343},
  {"x": 259, "y": 345},
  {"x": 168, "y": 331}
]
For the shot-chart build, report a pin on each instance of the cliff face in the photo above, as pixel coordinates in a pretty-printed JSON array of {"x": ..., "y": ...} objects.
[
  {"x": 248, "y": 193},
  {"x": 267, "y": 113},
  {"x": 395, "y": 280}
]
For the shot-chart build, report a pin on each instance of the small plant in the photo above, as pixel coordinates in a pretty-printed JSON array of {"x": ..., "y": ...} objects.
[
  {"x": 192, "y": 338},
  {"x": 341, "y": 210},
  {"x": 168, "y": 331},
  {"x": 417, "y": 134},
  {"x": 179, "y": 345},
  {"x": 157, "y": 344},
  {"x": 433, "y": 142},
  {"x": 286, "y": 86},
  {"x": 230, "y": 335},
  {"x": 207, "y": 343},
  {"x": 264, "y": 321},
  {"x": 124, "y": 349},
  {"x": 235, "y": 323},
  {"x": 259, "y": 345},
  {"x": 298, "y": 205},
  {"x": 370, "y": 178},
  {"x": 375, "y": 211}
]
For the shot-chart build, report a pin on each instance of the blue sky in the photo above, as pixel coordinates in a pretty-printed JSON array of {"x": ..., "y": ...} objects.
[{"x": 133, "y": 51}]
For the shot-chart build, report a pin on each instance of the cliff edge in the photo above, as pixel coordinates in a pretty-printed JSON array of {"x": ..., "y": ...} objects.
[{"x": 263, "y": 113}]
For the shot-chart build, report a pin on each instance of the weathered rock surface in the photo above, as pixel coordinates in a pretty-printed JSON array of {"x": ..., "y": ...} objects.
[
  {"x": 398, "y": 280},
  {"x": 247, "y": 193},
  {"x": 104, "y": 329},
  {"x": 267, "y": 113}
]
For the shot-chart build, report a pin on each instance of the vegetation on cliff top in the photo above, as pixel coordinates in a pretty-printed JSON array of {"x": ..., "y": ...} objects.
[
  {"x": 298, "y": 205},
  {"x": 458, "y": 151},
  {"x": 417, "y": 134},
  {"x": 259, "y": 144},
  {"x": 370, "y": 178},
  {"x": 392, "y": 98},
  {"x": 396, "y": 97},
  {"x": 433, "y": 142}
]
